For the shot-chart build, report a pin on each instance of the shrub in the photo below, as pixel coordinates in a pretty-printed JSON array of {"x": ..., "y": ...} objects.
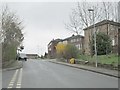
[{"x": 103, "y": 44}]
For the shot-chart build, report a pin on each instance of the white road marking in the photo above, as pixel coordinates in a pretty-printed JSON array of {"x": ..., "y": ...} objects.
[
  {"x": 19, "y": 79},
  {"x": 13, "y": 79}
]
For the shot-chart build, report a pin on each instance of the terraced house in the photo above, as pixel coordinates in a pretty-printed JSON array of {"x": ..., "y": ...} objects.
[{"x": 105, "y": 26}]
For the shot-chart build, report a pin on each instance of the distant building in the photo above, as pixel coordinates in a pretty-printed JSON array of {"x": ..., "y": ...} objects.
[
  {"x": 32, "y": 56},
  {"x": 106, "y": 26},
  {"x": 76, "y": 40},
  {"x": 52, "y": 49}
]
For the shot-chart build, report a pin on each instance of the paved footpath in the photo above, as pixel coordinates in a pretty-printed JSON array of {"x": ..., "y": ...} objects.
[
  {"x": 14, "y": 66},
  {"x": 113, "y": 73}
]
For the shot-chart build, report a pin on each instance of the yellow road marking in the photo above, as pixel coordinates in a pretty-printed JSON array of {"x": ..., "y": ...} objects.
[
  {"x": 12, "y": 82},
  {"x": 13, "y": 79},
  {"x": 19, "y": 79}
]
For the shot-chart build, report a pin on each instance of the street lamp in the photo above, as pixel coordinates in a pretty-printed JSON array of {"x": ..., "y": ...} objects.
[{"x": 92, "y": 10}]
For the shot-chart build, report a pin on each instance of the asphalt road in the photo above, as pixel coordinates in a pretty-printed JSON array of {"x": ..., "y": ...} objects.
[{"x": 44, "y": 74}]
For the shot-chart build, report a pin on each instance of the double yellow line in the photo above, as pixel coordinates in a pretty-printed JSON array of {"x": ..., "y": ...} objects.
[{"x": 14, "y": 78}]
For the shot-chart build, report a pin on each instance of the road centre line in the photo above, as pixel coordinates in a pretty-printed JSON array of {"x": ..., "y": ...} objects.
[{"x": 13, "y": 79}]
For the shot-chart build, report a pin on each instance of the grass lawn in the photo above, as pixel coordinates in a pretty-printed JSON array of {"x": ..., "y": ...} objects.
[{"x": 104, "y": 59}]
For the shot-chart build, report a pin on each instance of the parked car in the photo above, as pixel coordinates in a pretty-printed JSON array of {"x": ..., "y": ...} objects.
[{"x": 22, "y": 56}]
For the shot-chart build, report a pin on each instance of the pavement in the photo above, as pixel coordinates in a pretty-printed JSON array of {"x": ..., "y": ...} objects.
[
  {"x": 14, "y": 66},
  {"x": 113, "y": 73}
]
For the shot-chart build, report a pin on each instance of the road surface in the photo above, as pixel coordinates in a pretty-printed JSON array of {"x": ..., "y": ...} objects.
[{"x": 44, "y": 74}]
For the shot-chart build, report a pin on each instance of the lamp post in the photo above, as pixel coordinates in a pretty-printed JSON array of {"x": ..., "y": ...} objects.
[
  {"x": 92, "y": 10},
  {"x": 119, "y": 11}
]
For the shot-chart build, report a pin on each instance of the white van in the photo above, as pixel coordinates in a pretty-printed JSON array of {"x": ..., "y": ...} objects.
[{"x": 22, "y": 56}]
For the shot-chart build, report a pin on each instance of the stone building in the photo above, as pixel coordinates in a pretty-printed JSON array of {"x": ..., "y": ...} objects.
[{"x": 32, "y": 56}]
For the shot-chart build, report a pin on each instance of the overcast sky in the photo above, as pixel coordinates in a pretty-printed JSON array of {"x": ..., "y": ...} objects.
[{"x": 43, "y": 22}]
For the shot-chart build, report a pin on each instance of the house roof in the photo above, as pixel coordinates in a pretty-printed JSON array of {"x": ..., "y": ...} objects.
[
  {"x": 53, "y": 41},
  {"x": 58, "y": 40},
  {"x": 73, "y": 36},
  {"x": 103, "y": 23}
]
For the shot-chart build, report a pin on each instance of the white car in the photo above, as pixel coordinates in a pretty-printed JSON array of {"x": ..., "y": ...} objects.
[{"x": 22, "y": 56}]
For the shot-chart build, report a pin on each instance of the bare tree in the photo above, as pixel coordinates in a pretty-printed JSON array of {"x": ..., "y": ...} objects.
[
  {"x": 11, "y": 27},
  {"x": 110, "y": 11},
  {"x": 81, "y": 18},
  {"x": 12, "y": 35},
  {"x": 86, "y": 16},
  {"x": 75, "y": 24},
  {"x": 1, "y": 31},
  {"x": 1, "y": 35}
]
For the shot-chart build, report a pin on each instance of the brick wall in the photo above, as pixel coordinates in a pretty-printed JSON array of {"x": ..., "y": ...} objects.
[{"x": 107, "y": 28}]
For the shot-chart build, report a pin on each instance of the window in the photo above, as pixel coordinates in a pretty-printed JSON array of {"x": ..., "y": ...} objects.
[
  {"x": 65, "y": 42},
  {"x": 77, "y": 46},
  {"x": 97, "y": 30},
  {"x": 49, "y": 49},
  {"x": 113, "y": 42},
  {"x": 77, "y": 39},
  {"x": 80, "y": 45},
  {"x": 72, "y": 40}
]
